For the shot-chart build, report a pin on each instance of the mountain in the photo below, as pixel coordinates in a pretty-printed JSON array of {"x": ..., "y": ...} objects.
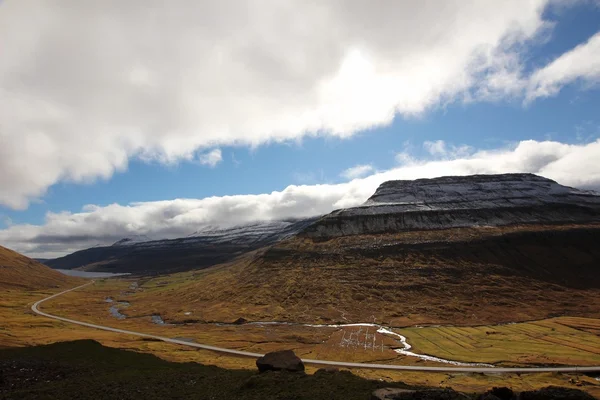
[
  {"x": 20, "y": 272},
  {"x": 455, "y": 250},
  {"x": 461, "y": 201},
  {"x": 128, "y": 241},
  {"x": 204, "y": 248}
]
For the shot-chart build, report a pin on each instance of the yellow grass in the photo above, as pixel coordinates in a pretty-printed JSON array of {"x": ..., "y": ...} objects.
[
  {"x": 20, "y": 327},
  {"x": 564, "y": 340}
]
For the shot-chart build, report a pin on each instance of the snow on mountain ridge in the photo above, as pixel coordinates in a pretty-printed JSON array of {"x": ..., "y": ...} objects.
[
  {"x": 267, "y": 231},
  {"x": 131, "y": 240},
  {"x": 461, "y": 201},
  {"x": 473, "y": 192}
]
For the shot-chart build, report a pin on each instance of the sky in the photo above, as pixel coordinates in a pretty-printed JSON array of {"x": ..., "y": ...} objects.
[{"x": 158, "y": 118}]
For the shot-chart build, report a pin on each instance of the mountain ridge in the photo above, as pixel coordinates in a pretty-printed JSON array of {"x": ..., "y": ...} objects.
[
  {"x": 461, "y": 201},
  {"x": 199, "y": 250}
]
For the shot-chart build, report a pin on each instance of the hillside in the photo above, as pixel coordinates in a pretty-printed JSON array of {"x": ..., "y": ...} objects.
[
  {"x": 205, "y": 248},
  {"x": 529, "y": 265},
  {"x": 20, "y": 272}
]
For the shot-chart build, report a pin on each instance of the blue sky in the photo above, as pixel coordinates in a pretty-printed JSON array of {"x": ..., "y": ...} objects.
[
  {"x": 143, "y": 141},
  {"x": 571, "y": 117}
]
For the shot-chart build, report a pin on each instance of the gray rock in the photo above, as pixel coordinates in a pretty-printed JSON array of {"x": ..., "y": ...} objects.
[
  {"x": 389, "y": 393},
  {"x": 284, "y": 360}
]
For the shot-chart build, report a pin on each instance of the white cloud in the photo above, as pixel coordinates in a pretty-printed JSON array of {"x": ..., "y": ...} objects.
[
  {"x": 212, "y": 158},
  {"x": 582, "y": 63},
  {"x": 573, "y": 165},
  {"x": 439, "y": 148},
  {"x": 86, "y": 86},
  {"x": 357, "y": 171}
]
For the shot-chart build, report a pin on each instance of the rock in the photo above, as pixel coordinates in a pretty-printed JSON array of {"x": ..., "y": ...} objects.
[
  {"x": 240, "y": 321},
  {"x": 501, "y": 393},
  {"x": 389, "y": 393},
  {"x": 284, "y": 360},
  {"x": 327, "y": 370},
  {"x": 555, "y": 393},
  {"x": 407, "y": 394}
]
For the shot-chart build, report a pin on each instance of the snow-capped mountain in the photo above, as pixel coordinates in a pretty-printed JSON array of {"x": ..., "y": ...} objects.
[
  {"x": 208, "y": 246},
  {"x": 257, "y": 231},
  {"x": 462, "y": 201},
  {"x": 131, "y": 240}
]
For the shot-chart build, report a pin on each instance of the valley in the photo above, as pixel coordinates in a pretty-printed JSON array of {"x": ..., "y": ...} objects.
[{"x": 444, "y": 282}]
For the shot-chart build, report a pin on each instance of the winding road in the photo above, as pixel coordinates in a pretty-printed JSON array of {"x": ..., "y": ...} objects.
[{"x": 495, "y": 370}]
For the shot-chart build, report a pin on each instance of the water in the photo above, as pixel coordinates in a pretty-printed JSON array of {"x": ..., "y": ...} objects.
[
  {"x": 405, "y": 350},
  {"x": 86, "y": 274},
  {"x": 115, "y": 310}
]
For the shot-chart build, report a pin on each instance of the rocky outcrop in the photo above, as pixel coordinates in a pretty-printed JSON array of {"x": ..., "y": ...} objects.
[
  {"x": 548, "y": 393},
  {"x": 461, "y": 201},
  {"x": 284, "y": 360}
]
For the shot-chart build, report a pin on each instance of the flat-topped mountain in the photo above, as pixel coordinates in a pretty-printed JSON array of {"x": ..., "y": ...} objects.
[
  {"x": 477, "y": 191},
  {"x": 461, "y": 201}
]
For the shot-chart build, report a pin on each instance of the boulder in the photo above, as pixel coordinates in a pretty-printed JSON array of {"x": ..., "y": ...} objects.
[
  {"x": 555, "y": 393},
  {"x": 284, "y": 360},
  {"x": 327, "y": 370},
  {"x": 389, "y": 393},
  {"x": 240, "y": 321}
]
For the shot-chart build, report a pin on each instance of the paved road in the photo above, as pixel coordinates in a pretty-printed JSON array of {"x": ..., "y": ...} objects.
[{"x": 35, "y": 308}]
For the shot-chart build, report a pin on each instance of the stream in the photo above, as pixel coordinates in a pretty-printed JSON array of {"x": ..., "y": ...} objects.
[{"x": 404, "y": 350}]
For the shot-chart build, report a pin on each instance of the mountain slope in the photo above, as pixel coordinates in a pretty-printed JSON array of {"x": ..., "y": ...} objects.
[
  {"x": 202, "y": 249},
  {"x": 461, "y": 201},
  {"x": 20, "y": 272},
  {"x": 342, "y": 269}
]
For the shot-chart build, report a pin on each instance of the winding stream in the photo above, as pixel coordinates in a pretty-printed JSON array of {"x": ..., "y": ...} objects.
[
  {"x": 115, "y": 309},
  {"x": 405, "y": 350}
]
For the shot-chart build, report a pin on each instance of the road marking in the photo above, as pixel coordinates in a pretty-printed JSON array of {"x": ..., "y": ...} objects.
[{"x": 492, "y": 370}]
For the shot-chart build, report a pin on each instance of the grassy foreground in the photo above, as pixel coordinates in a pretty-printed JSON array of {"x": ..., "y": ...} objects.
[
  {"x": 86, "y": 370},
  {"x": 19, "y": 327}
]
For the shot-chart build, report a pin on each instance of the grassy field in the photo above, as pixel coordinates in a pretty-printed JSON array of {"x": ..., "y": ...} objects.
[
  {"x": 560, "y": 341},
  {"x": 556, "y": 341},
  {"x": 20, "y": 327}
]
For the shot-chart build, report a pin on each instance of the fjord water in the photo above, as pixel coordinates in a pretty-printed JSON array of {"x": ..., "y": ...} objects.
[{"x": 86, "y": 274}]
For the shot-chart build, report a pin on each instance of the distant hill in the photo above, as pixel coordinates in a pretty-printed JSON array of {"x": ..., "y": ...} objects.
[
  {"x": 455, "y": 250},
  {"x": 20, "y": 272},
  {"x": 202, "y": 249}
]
